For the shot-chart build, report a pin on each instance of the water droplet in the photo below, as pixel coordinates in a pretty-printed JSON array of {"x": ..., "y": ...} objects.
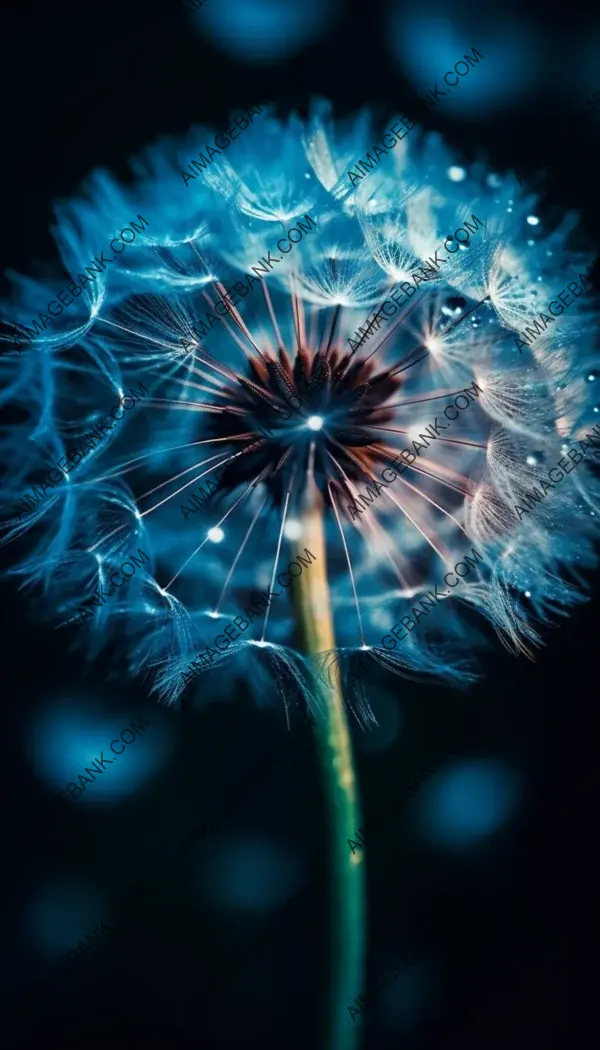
[{"x": 456, "y": 174}]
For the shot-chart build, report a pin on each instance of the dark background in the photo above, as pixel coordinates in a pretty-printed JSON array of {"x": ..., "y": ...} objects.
[{"x": 88, "y": 85}]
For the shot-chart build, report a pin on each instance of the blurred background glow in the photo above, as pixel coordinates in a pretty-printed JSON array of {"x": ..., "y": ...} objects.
[
  {"x": 249, "y": 873},
  {"x": 428, "y": 45},
  {"x": 62, "y": 912},
  {"x": 68, "y": 735},
  {"x": 586, "y": 71},
  {"x": 466, "y": 803},
  {"x": 264, "y": 30},
  {"x": 405, "y": 1003}
]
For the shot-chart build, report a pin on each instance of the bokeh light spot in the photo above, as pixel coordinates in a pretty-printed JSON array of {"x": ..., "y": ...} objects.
[
  {"x": 62, "y": 912},
  {"x": 66, "y": 738},
  {"x": 249, "y": 873},
  {"x": 466, "y": 803},
  {"x": 263, "y": 30}
]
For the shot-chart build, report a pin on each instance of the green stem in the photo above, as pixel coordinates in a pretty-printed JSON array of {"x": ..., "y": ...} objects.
[{"x": 346, "y": 870}]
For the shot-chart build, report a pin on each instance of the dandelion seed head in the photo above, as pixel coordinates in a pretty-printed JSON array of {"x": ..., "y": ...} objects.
[{"x": 248, "y": 412}]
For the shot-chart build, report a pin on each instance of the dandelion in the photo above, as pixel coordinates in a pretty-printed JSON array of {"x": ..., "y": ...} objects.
[{"x": 225, "y": 350}]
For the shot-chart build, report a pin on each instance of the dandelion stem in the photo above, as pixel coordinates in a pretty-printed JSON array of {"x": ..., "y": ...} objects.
[{"x": 346, "y": 870}]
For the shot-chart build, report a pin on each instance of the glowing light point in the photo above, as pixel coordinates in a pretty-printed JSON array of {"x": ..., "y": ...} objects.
[
  {"x": 292, "y": 529},
  {"x": 528, "y": 594},
  {"x": 533, "y": 220},
  {"x": 433, "y": 345},
  {"x": 456, "y": 174},
  {"x": 531, "y": 461},
  {"x": 413, "y": 434},
  {"x": 216, "y": 534},
  {"x": 315, "y": 422}
]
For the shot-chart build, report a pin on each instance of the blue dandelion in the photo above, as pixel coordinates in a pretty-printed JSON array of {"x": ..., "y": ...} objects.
[{"x": 264, "y": 422}]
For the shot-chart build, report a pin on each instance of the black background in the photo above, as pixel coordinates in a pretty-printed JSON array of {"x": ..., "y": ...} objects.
[{"x": 512, "y": 934}]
